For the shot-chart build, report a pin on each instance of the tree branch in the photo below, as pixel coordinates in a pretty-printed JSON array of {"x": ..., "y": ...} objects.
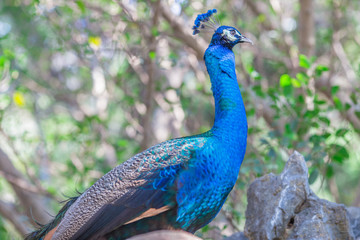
[
  {"x": 306, "y": 28},
  {"x": 260, "y": 8},
  {"x": 31, "y": 202},
  {"x": 150, "y": 65},
  {"x": 180, "y": 33},
  {"x": 8, "y": 211}
]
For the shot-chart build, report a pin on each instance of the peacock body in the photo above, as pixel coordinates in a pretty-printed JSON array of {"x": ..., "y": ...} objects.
[{"x": 178, "y": 184}]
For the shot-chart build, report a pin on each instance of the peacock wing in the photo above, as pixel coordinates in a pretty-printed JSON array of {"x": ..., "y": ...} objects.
[{"x": 143, "y": 186}]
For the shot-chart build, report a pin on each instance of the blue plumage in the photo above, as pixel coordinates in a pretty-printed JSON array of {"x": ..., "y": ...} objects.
[
  {"x": 178, "y": 184},
  {"x": 202, "y": 19}
]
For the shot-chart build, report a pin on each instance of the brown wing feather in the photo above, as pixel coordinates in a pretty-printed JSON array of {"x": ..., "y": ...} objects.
[{"x": 149, "y": 213}]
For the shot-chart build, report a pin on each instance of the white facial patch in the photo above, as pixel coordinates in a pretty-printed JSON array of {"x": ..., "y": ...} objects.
[{"x": 229, "y": 35}]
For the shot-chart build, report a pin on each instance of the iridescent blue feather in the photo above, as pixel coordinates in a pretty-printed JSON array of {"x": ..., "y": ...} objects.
[{"x": 204, "y": 21}]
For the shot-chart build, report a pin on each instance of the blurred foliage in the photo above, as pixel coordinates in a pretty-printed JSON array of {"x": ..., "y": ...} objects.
[{"x": 84, "y": 85}]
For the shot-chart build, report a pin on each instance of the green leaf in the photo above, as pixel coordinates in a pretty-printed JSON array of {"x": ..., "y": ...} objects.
[
  {"x": 154, "y": 31},
  {"x": 261, "y": 18},
  {"x": 52, "y": 190},
  {"x": 205, "y": 229},
  {"x": 326, "y": 135},
  {"x": 353, "y": 98},
  {"x": 313, "y": 175},
  {"x": 81, "y": 6},
  {"x": 295, "y": 83},
  {"x": 300, "y": 100},
  {"x": 341, "y": 132},
  {"x": 122, "y": 143},
  {"x": 303, "y": 129},
  {"x": 152, "y": 55},
  {"x": 285, "y": 80},
  {"x": 265, "y": 142},
  {"x": 304, "y": 61},
  {"x": 3, "y": 61},
  {"x": 320, "y": 102},
  {"x": 315, "y": 125},
  {"x": 250, "y": 112},
  {"x": 258, "y": 90},
  {"x": 357, "y": 114},
  {"x": 339, "y": 153},
  {"x": 347, "y": 106},
  {"x": 337, "y": 103},
  {"x": 127, "y": 36},
  {"x": 334, "y": 90},
  {"x": 329, "y": 171},
  {"x": 302, "y": 77},
  {"x": 325, "y": 120},
  {"x": 288, "y": 91},
  {"x": 320, "y": 69},
  {"x": 311, "y": 113},
  {"x": 9, "y": 54}
]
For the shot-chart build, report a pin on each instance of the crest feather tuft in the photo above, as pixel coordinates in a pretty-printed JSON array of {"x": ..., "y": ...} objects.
[{"x": 205, "y": 21}]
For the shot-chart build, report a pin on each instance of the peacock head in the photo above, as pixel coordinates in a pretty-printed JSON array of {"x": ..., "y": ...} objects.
[{"x": 223, "y": 35}]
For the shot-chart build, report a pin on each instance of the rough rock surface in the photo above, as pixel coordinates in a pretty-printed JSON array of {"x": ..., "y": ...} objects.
[
  {"x": 354, "y": 214},
  {"x": 284, "y": 207}
]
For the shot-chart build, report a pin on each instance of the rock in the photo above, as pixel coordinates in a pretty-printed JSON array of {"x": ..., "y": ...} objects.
[
  {"x": 237, "y": 236},
  {"x": 321, "y": 219},
  {"x": 165, "y": 235},
  {"x": 354, "y": 214},
  {"x": 284, "y": 207}
]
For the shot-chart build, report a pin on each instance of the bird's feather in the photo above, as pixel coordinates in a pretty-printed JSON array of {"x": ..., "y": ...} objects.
[{"x": 146, "y": 181}]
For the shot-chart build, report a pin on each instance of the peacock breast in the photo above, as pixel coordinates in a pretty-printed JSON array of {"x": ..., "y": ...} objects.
[
  {"x": 217, "y": 166},
  {"x": 206, "y": 185}
]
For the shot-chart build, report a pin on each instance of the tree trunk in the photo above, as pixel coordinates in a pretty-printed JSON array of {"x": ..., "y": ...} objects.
[{"x": 306, "y": 28}]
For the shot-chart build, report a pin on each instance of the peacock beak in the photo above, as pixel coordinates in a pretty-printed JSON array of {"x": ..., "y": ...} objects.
[{"x": 245, "y": 39}]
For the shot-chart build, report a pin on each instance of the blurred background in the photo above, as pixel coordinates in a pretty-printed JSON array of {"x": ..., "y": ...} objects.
[{"x": 86, "y": 84}]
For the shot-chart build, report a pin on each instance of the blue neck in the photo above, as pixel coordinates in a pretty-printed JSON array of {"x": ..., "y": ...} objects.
[{"x": 230, "y": 117}]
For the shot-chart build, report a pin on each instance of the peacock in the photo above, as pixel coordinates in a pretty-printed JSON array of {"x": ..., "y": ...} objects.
[{"x": 178, "y": 184}]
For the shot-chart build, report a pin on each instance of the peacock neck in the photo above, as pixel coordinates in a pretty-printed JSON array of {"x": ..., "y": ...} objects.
[{"x": 230, "y": 117}]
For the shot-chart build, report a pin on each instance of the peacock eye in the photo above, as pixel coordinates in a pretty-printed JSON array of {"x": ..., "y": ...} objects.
[{"x": 232, "y": 32}]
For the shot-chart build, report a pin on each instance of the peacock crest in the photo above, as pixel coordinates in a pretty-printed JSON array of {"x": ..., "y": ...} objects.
[{"x": 206, "y": 21}]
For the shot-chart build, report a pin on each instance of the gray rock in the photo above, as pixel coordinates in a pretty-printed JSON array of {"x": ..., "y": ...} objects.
[
  {"x": 284, "y": 207},
  {"x": 321, "y": 219},
  {"x": 354, "y": 214},
  {"x": 237, "y": 236}
]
